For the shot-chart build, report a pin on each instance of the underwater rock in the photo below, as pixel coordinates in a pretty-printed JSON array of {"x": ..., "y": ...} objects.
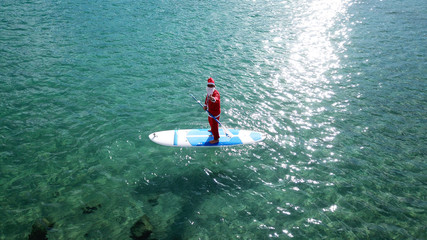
[
  {"x": 91, "y": 208},
  {"x": 39, "y": 229},
  {"x": 142, "y": 229},
  {"x": 153, "y": 200}
]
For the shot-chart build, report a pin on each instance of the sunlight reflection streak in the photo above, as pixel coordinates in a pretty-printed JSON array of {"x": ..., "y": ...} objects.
[{"x": 304, "y": 79}]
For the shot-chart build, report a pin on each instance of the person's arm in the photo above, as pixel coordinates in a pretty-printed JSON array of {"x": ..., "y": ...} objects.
[
  {"x": 214, "y": 97},
  {"x": 206, "y": 102}
]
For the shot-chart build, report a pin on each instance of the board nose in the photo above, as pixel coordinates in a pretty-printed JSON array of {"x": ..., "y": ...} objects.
[{"x": 256, "y": 136}]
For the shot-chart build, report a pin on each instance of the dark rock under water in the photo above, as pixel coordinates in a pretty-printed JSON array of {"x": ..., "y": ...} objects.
[
  {"x": 142, "y": 229},
  {"x": 39, "y": 229}
]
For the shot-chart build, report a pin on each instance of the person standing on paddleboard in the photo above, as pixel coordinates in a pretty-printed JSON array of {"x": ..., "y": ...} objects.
[{"x": 213, "y": 105}]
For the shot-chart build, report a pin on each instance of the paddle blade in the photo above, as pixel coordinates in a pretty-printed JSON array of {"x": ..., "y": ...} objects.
[{"x": 227, "y": 132}]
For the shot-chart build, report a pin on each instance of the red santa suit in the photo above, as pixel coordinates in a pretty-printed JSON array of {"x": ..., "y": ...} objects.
[{"x": 214, "y": 107}]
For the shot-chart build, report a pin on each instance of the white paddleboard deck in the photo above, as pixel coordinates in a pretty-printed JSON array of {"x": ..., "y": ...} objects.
[{"x": 201, "y": 138}]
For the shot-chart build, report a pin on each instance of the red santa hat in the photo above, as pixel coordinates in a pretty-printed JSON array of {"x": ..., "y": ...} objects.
[{"x": 211, "y": 82}]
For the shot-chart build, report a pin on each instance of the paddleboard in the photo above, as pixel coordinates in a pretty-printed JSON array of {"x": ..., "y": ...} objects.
[{"x": 201, "y": 138}]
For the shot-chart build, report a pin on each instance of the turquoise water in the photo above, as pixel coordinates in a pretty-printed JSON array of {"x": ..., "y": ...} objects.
[{"x": 337, "y": 86}]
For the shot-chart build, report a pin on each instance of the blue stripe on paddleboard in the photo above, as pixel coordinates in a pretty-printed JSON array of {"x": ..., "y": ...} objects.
[
  {"x": 175, "y": 138},
  {"x": 204, "y": 141},
  {"x": 203, "y": 132}
]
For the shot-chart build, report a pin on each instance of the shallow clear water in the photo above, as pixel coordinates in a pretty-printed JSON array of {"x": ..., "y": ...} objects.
[{"x": 338, "y": 87}]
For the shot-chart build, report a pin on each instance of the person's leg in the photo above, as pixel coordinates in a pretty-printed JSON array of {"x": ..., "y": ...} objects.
[
  {"x": 214, "y": 127},
  {"x": 210, "y": 123},
  {"x": 216, "y": 133}
]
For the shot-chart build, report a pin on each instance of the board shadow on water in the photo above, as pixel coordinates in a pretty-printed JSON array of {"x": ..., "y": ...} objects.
[{"x": 175, "y": 201}]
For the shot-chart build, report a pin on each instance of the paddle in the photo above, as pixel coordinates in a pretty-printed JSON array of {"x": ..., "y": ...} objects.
[{"x": 227, "y": 132}]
